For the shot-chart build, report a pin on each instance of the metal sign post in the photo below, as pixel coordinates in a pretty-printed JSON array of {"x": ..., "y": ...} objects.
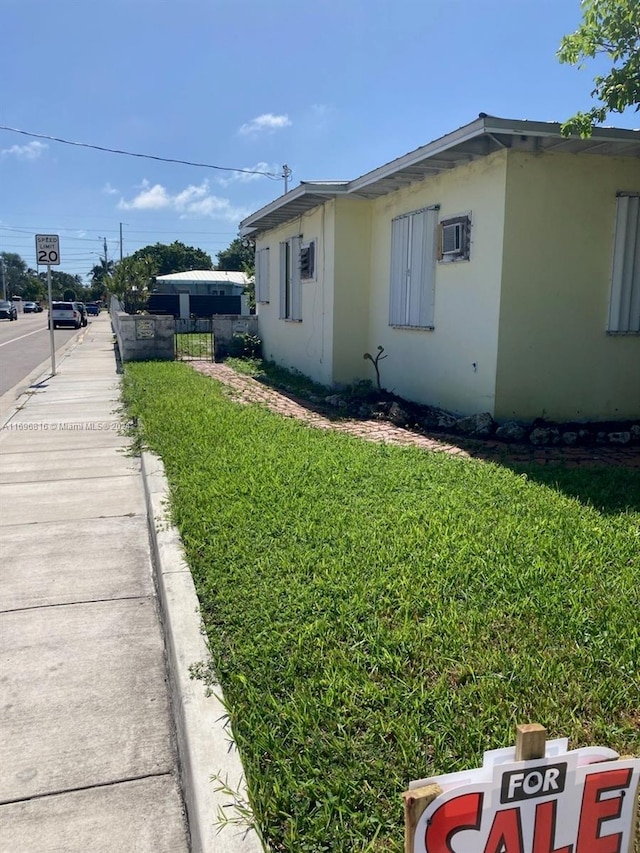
[{"x": 48, "y": 252}]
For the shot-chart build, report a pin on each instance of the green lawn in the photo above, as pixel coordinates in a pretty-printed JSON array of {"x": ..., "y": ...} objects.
[
  {"x": 194, "y": 345},
  {"x": 377, "y": 614}
]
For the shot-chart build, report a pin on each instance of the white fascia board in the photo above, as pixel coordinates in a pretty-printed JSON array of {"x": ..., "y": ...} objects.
[
  {"x": 481, "y": 127},
  {"x": 306, "y": 188},
  {"x": 439, "y": 146},
  {"x": 277, "y": 203},
  {"x": 524, "y": 127}
]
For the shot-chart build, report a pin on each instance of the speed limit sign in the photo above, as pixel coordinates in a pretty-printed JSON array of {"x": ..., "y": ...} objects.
[{"x": 48, "y": 249}]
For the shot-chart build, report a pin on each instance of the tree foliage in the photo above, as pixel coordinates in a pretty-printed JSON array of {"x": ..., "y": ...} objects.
[
  {"x": 173, "y": 258},
  {"x": 610, "y": 27},
  {"x": 101, "y": 272},
  {"x": 21, "y": 280},
  {"x": 237, "y": 257},
  {"x": 64, "y": 285},
  {"x": 17, "y": 276},
  {"x": 132, "y": 280}
]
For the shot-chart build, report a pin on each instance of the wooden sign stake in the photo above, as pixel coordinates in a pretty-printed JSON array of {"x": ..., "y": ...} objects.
[
  {"x": 531, "y": 740},
  {"x": 415, "y": 802}
]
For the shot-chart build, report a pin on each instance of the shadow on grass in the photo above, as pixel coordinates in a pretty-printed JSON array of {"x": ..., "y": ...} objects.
[
  {"x": 606, "y": 479},
  {"x": 610, "y": 490},
  {"x": 603, "y": 477}
]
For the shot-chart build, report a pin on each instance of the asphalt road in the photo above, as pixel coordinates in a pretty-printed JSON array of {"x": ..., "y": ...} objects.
[{"x": 24, "y": 344}]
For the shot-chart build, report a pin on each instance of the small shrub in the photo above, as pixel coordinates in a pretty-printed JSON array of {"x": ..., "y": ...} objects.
[{"x": 245, "y": 346}]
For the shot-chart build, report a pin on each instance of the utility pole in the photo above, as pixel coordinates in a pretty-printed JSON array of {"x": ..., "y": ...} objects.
[
  {"x": 286, "y": 174},
  {"x": 4, "y": 281},
  {"x": 121, "y": 241},
  {"x": 105, "y": 251}
]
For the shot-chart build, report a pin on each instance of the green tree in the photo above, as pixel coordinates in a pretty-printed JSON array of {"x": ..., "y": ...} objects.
[
  {"x": 610, "y": 27},
  {"x": 18, "y": 278},
  {"x": 132, "y": 280},
  {"x": 175, "y": 257},
  {"x": 101, "y": 272},
  {"x": 35, "y": 290},
  {"x": 237, "y": 257},
  {"x": 63, "y": 285}
]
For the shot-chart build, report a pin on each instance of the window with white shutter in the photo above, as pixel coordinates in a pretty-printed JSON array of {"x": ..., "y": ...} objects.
[
  {"x": 413, "y": 269},
  {"x": 262, "y": 275},
  {"x": 624, "y": 304},
  {"x": 290, "y": 293}
]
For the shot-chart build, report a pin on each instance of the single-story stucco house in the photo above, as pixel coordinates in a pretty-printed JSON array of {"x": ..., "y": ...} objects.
[
  {"x": 498, "y": 266},
  {"x": 201, "y": 292},
  {"x": 203, "y": 283}
]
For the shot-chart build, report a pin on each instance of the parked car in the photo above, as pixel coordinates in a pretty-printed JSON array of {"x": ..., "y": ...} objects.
[
  {"x": 82, "y": 308},
  {"x": 93, "y": 309},
  {"x": 31, "y": 308},
  {"x": 65, "y": 314},
  {"x": 8, "y": 310}
]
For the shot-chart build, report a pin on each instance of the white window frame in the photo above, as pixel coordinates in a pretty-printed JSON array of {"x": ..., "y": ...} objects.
[
  {"x": 290, "y": 289},
  {"x": 624, "y": 301},
  {"x": 262, "y": 275},
  {"x": 413, "y": 269}
]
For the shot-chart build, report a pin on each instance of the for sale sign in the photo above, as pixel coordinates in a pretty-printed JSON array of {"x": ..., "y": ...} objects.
[{"x": 582, "y": 801}]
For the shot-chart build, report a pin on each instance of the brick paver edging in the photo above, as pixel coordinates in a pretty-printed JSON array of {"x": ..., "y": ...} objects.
[{"x": 245, "y": 389}]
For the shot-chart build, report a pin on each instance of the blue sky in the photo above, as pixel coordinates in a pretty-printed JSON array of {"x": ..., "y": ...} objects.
[{"x": 333, "y": 88}]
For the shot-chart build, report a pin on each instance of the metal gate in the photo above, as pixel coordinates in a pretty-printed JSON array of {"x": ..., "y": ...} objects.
[{"x": 193, "y": 339}]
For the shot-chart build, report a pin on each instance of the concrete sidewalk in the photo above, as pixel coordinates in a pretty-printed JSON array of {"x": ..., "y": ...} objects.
[{"x": 87, "y": 733}]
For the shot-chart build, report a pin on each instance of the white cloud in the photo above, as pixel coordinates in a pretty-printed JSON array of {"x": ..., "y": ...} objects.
[
  {"x": 250, "y": 173},
  {"x": 150, "y": 198},
  {"x": 30, "y": 151},
  {"x": 188, "y": 196},
  {"x": 191, "y": 201},
  {"x": 321, "y": 114},
  {"x": 109, "y": 190},
  {"x": 266, "y": 122}
]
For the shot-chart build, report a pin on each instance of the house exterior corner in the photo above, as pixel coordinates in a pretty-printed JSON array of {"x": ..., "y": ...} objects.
[{"x": 556, "y": 357}]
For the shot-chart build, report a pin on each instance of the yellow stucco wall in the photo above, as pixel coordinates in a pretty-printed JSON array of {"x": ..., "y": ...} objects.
[
  {"x": 437, "y": 366},
  {"x": 351, "y": 288},
  {"x": 555, "y": 358},
  {"x": 305, "y": 346}
]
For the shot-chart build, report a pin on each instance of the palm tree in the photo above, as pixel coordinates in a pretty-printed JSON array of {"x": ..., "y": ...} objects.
[{"x": 102, "y": 271}]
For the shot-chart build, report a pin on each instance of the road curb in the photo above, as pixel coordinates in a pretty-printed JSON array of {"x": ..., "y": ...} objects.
[{"x": 205, "y": 742}]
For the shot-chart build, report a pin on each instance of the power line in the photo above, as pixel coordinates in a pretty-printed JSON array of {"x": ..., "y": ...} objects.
[
  {"x": 143, "y": 156},
  {"x": 34, "y": 229}
]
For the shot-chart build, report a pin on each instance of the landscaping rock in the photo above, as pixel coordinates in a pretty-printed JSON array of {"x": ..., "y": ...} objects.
[
  {"x": 446, "y": 421},
  {"x": 511, "y": 431},
  {"x": 482, "y": 424},
  {"x": 398, "y": 416},
  {"x": 619, "y": 437},
  {"x": 541, "y": 436},
  {"x": 570, "y": 438},
  {"x": 435, "y": 418},
  {"x": 336, "y": 400},
  {"x": 366, "y": 411}
]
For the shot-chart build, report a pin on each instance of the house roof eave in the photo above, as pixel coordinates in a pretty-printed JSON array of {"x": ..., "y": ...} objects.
[
  {"x": 481, "y": 137},
  {"x": 305, "y": 197}
]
